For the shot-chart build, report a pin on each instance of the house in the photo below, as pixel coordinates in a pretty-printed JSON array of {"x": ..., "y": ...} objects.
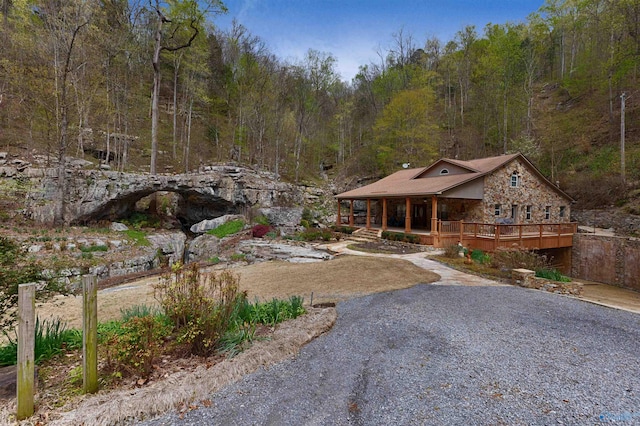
[{"x": 497, "y": 197}]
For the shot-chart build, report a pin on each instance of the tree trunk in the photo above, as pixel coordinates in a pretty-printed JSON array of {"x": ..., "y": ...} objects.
[{"x": 155, "y": 97}]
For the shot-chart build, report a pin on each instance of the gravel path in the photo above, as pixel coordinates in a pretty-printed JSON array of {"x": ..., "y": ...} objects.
[{"x": 448, "y": 355}]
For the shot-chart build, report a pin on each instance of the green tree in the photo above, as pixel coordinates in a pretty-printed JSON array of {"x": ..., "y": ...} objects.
[{"x": 406, "y": 130}]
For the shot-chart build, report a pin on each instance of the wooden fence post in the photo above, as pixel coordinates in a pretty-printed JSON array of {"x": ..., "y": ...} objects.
[
  {"x": 26, "y": 349},
  {"x": 89, "y": 334}
]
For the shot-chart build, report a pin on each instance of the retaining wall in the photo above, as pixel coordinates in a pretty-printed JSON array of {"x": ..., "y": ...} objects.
[{"x": 605, "y": 259}]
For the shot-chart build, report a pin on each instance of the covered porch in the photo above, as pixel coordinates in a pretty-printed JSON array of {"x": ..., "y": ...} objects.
[{"x": 440, "y": 223}]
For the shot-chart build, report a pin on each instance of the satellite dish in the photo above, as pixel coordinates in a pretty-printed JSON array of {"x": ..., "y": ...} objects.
[{"x": 405, "y": 165}]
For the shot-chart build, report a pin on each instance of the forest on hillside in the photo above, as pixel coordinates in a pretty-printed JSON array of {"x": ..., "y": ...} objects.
[{"x": 157, "y": 87}]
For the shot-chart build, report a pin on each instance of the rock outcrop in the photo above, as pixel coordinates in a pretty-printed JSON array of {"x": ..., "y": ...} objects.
[{"x": 94, "y": 195}]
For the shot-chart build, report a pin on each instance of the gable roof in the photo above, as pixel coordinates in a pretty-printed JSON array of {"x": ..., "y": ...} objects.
[{"x": 410, "y": 182}]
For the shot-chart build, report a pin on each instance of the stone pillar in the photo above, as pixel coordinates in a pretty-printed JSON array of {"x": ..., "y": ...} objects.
[{"x": 339, "y": 219}]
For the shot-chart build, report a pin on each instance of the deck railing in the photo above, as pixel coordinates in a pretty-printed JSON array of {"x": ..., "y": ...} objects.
[{"x": 489, "y": 236}]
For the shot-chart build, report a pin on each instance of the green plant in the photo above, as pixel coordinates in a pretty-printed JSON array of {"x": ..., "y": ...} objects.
[
  {"x": 552, "y": 274},
  {"x": 140, "y": 220},
  {"x": 480, "y": 256},
  {"x": 315, "y": 234},
  {"x": 271, "y": 312},
  {"x": 262, "y": 220},
  {"x": 51, "y": 338},
  {"x": 345, "y": 229},
  {"x": 139, "y": 237},
  {"x": 271, "y": 235},
  {"x": 215, "y": 260},
  {"x": 200, "y": 306},
  {"x": 92, "y": 249},
  {"x": 238, "y": 257},
  {"x": 138, "y": 311},
  {"x": 229, "y": 228},
  {"x": 139, "y": 345}
]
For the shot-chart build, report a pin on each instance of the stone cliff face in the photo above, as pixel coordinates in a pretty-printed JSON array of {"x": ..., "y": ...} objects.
[{"x": 94, "y": 195}]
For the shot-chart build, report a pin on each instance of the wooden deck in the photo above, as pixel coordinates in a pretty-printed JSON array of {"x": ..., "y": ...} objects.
[{"x": 490, "y": 236}]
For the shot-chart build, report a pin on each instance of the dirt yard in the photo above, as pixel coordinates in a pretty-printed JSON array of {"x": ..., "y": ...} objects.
[{"x": 330, "y": 281}]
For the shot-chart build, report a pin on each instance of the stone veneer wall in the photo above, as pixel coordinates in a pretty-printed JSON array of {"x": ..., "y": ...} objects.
[
  {"x": 531, "y": 192},
  {"x": 609, "y": 260}
]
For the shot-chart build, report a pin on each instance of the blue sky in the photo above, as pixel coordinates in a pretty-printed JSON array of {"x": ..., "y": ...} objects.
[{"x": 353, "y": 30}]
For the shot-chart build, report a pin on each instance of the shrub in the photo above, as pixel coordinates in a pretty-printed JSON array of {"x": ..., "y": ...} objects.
[
  {"x": 452, "y": 251},
  {"x": 315, "y": 234},
  {"x": 552, "y": 274},
  {"x": 259, "y": 231},
  {"x": 139, "y": 345},
  {"x": 199, "y": 306},
  {"x": 413, "y": 239},
  {"x": 480, "y": 256},
  {"x": 514, "y": 258},
  {"x": 229, "y": 228},
  {"x": 399, "y": 236}
]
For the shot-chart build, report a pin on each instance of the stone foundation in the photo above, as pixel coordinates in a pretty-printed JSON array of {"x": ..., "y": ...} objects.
[{"x": 527, "y": 278}]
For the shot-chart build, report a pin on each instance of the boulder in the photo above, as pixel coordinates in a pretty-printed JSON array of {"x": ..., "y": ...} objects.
[
  {"x": 170, "y": 243},
  {"x": 203, "y": 248},
  {"x": 282, "y": 216},
  {"x": 119, "y": 227},
  {"x": 208, "y": 224}
]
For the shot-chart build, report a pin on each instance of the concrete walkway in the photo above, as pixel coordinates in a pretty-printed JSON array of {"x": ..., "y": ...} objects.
[{"x": 598, "y": 293}]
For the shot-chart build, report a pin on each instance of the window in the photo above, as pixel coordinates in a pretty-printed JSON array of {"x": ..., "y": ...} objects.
[
  {"x": 528, "y": 213},
  {"x": 547, "y": 212},
  {"x": 563, "y": 211},
  {"x": 497, "y": 210},
  {"x": 444, "y": 172},
  {"x": 515, "y": 180}
]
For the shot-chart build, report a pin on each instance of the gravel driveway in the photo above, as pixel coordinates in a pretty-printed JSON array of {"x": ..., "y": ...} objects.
[{"x": 449, "y": 355}]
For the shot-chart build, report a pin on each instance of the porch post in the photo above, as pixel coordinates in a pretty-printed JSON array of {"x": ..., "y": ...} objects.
[
  {"x": 407, "y": 218},
  {"x": 384, "y": 214},
  {"x": 368, "y": 213},
  {"x": 339, "y": 218},
  {"x": 434, "y": 215},
  {"x": 351, "y": 220}
]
